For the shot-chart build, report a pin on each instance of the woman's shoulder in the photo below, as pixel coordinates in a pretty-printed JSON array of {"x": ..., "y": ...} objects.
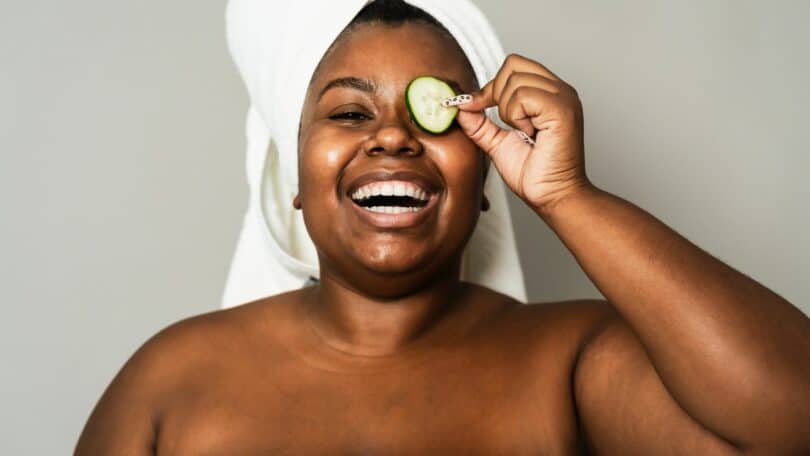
[
  {"x": 186, "y": 346},
  {"x": 221, "y": 330},
  {"x": 177, "y": 362},
  {"x": 559, "y": 329},
  {"x": 580, "y": 315}
]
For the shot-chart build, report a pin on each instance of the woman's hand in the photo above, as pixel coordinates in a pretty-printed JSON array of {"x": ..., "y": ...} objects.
[{"x": 533, "y": 100}]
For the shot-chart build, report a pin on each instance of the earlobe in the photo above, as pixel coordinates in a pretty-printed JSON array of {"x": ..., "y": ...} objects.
[
  {"x": 297, "y": 202},
  {"x": 484, "y": 203}
]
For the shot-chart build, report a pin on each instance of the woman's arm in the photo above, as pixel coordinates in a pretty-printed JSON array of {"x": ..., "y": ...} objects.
[{"x": 733, "y": 355}]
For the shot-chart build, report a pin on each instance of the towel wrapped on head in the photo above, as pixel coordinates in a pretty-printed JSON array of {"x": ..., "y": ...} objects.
[{"x": 277, "y": 47}]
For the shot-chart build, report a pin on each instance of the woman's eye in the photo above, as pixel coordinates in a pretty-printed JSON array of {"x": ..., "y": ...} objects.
[{"x": 350, "y": 115}]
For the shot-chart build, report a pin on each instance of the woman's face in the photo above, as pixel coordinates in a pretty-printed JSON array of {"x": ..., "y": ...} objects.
[{"x": 357, "y": 129}]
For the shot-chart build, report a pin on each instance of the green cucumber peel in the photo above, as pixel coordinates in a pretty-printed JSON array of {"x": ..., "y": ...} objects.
[{"x": 424, "y": 96}]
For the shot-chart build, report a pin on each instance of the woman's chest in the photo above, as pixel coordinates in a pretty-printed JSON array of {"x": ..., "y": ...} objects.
[{"x": 452, "y": 408}]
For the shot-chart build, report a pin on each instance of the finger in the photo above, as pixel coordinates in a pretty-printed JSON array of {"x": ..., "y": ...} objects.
[
  {"x": 516, "y": 81},
  {"x": 520, "y": 78},
  {"x": 481, "y": 129},
  {"x": 532, "y": 104},
  {"x": 506, "y": 149},
  {"x": 475, "y": 101},
  {"x": 517, "y": 63},
  {"x": 491, "y": 93}
]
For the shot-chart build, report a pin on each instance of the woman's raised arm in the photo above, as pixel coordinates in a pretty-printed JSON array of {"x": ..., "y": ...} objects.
[{"x": 732, "y": 354}]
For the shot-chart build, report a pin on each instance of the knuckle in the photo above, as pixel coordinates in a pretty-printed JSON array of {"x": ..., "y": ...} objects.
[
  {"x": 514, "y": 57},
  {"x": 571, "y": 89},
  {"x": 513, "y": 79},
  {"x": 479, "y": 131}
]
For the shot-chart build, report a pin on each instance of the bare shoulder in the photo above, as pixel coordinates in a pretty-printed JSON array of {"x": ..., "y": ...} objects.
[
  {"x": 572, "y": 323},
  {"x": 169, "y": 364},
  {"x": 181, "y": 349},
  {"x": 558, "y": 329}
]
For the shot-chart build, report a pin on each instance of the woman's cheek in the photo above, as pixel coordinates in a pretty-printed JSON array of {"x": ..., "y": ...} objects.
[
  {"x": 462, "y": 207},
  {"x": 323, "y": 157},
  {"x": 335, "y": 152},
  {"x": 462, "y": 166}
]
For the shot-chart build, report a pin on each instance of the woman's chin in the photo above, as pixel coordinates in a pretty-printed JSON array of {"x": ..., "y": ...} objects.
[
  {"x": 394, "y": 260},
  {"x": 391, "y": 280},
  {"x": 396, "y": 263}
]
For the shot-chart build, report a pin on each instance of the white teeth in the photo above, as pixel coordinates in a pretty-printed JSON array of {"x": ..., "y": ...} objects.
[
  {"x": 393, "y": 209},
  {"x": 397, "y": 188}
]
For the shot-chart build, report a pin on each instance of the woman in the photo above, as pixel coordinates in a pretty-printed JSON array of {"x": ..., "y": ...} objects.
[{"x": 391, "y": 353}]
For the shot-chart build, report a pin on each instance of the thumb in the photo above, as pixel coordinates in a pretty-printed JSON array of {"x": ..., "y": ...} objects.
[
  {"x": 481, "y": 99},
  {"x": 474, "y": 122},
  {"x": 504, "y": 147},
  {"x": 482, "y": 130}
]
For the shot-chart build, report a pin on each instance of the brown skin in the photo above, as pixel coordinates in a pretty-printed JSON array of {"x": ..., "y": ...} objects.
[{"x": 392, "y": 354}]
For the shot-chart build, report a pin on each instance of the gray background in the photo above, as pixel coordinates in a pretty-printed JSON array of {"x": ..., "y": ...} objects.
[{"x": 121, "y": 133}]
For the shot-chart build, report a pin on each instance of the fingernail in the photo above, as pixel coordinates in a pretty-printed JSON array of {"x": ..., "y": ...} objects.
[
  {"x": 457, "y": 100},
  {"x": 526, "y": 138}
]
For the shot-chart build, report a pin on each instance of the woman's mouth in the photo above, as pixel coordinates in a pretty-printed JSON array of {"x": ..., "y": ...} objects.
[
  {"x": 391, "y": 197},
  {"x": 393, "y": 203}
]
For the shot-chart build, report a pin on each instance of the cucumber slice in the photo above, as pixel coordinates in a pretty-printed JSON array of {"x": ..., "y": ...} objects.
[{"x": 424, "y": 96}]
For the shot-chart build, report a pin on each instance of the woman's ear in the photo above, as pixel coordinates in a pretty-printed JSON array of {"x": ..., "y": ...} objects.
[{"x": 297, "y": 202}]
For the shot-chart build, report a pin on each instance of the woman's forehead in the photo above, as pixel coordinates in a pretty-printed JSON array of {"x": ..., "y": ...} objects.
[{"x": 386, "y": 54}]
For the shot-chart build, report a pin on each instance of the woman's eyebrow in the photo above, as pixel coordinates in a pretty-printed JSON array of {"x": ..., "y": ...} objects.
[{"x": 351, "y": 82}]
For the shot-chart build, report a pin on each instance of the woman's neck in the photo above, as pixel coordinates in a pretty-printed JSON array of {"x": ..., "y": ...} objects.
[{"x": 360, "y": 325}]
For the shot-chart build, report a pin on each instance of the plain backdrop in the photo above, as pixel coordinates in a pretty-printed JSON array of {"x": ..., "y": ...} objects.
[{"x": 122, "y": 185}]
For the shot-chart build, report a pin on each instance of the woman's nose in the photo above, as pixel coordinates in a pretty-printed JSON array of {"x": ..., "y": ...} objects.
[{"x": 393, "y": 139}]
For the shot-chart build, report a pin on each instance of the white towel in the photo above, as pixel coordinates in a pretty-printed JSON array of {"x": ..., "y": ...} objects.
[{"x": 276, "y": 46}]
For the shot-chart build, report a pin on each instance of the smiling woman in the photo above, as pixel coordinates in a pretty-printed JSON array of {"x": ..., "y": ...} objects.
[
  {"x": 279, "y": 62},
  {"x": 392, "y": 352}
]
